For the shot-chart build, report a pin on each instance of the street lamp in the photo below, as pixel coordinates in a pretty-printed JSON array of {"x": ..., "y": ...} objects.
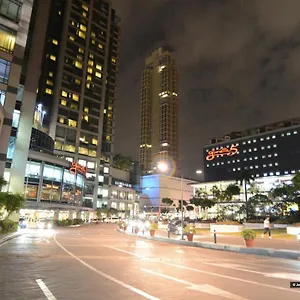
[{"x": 163, "y": 167}]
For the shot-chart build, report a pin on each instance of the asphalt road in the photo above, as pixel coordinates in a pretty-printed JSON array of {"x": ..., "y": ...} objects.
[{"x": 97, "y": 262}]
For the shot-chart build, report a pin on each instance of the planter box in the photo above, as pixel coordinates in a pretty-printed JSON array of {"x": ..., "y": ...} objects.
[
  {"x": 226, "y": 228},
  {"x": 254, "y": 225},
  {"x": 293, "y": 230},
  {"x": 281, "y": 225},
  {"x": 202, "y": 225}
]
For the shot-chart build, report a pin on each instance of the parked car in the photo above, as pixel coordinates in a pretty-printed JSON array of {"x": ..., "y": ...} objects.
[
  {"x": 44, "y": 224},
  {"x": 174, "y": 227},
  {"x": 22, "y": 223}
]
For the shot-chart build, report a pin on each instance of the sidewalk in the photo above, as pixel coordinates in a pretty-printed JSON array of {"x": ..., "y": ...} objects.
[
  {"x": 259, "y": 242},
  {"x": 8, "y": 236}
]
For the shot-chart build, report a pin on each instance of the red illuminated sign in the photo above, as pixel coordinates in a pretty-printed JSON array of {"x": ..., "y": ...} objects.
[
  {"x": 77, "y": 168},
  {"x": 233, "y": 150}
]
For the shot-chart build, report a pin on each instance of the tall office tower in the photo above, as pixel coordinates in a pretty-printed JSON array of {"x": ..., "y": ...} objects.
[
  {"x": 14, "y": 24},
  {"x": 77, "y": 87},
  {"x": 159, "y": 110}
]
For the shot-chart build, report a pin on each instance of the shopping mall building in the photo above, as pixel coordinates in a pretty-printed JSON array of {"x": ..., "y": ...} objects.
[{"x": 270, "y": 150}]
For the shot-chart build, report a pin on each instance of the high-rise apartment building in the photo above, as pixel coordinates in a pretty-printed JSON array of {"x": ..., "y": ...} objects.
[
  {"x": 77, "y": 86},
  {"x": 14, "y": 24},
  {"x": 159, "y": 110}
]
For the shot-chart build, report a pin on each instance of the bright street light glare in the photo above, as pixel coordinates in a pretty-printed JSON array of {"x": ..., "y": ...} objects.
[
  {"x": 162, "y": 166},
  {"x": 199, "y": 172}
]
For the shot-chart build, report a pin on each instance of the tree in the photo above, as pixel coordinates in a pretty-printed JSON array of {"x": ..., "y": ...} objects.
[
  {"x": 231, "y": 190},
  {"x": 289, "y": 193},
  {"x": 167, "y": 201},
  {"x": 122, "y": 162},
  {"x": 9, "y": 202},
  {"x": 202, "y": 200},
  {"x": 258, "y": 201},
  {"x": 246, "y": 178}
]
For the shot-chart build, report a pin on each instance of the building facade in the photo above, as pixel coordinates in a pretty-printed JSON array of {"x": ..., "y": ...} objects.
[
  {"x": 159, "y": 110},
  {"x": 156, "y": 187},
  {"x": 14, "y": 25},
  {"x": 270, "y": 150},
  {"x": 77, "y": 86}
]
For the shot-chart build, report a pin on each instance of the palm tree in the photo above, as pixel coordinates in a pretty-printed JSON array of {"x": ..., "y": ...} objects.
[{"x": 246, "y": 178}]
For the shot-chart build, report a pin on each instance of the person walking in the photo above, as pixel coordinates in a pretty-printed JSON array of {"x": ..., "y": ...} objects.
[{"x": 267, "y": 227}]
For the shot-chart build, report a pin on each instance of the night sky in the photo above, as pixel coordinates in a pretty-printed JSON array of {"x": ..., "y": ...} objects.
[{"x": 238, "y": 62}]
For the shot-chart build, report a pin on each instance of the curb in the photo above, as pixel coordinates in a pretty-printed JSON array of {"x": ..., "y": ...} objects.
[
  {"x": 10, "y": 237},
  {"x": 285, "y": 254}
]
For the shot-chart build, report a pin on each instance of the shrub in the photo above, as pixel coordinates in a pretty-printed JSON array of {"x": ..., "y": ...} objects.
[
  {"x": 228, "y": 223},
  {"x": 153, "y": 226},
  {"x": 8, "y": 226},
  {"x": 122, "y": 224},
  {"x": 254, "y": 221},
  {"x": 189, "y": 229},
  {"x": 296, "y": 224},
  {"x": 282, "y": 221},
  {"x": 248, "y": 234}
]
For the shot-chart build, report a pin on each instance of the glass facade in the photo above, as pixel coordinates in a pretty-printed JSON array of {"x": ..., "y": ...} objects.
[{"x": 53, "y": 183}]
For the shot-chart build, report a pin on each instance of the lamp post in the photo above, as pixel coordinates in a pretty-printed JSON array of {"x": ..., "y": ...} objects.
[{"x": 163, "y": 167}]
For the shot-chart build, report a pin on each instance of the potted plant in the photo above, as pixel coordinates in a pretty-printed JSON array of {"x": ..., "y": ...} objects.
[
  {"x": 152, "y": 228},
  {"x": 122, "y": 225},
  {"x": 249, "y": 235},
  {"x": 189, "y": 231}
]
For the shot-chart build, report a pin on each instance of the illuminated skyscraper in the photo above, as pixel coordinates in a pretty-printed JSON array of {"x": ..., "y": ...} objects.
[{"x": 159, "y": 110}]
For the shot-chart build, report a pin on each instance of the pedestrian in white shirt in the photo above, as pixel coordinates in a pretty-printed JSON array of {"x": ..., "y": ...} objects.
[{"x": 267, "y": 227}]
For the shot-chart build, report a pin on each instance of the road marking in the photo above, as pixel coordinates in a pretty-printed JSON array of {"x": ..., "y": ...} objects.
[
  {"x": 123, "y": 284},
  {"x": 124, "y": 251},
  {"x": 214, "y": 274},
  {"x": 288, "y": 276},
  {"x": 204, "y": 288},
  {"x": 45, "y": 289}
]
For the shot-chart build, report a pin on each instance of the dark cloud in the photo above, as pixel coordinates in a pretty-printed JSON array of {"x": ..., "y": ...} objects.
[{"x": 238, "y": 61}]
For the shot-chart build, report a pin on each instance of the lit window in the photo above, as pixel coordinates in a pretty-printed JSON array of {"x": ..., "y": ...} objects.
[
  {"x": 52, "y": 57},
  {"x": 113, "y": 60},
  {"x": 49, "y": 82},
  {"x": 109, "y": 107},
  {"x": 90, "y": 63},
  {"x": 78, "y": 64},
  {"x": 86, "y": 109},
  {"x": 90, "y": 70},
  {"x": 93, "y": 42},
  {"x": 59, "y": 12},
  {"x": 51, "y": 74},
  {"x": 92, "y": 153},
  {"x": 85, "y": 7},
  {"x": 55, "y": 42},
  {"x": 108, "y": 138},
  {"x": 109, "y": 116},
  {"x": 82, "y": 162},
  {"x": 83, "y": 151},
  {"x": 57, "y": 145},
  {"x": 80, "y": 50},
  {"x": 61, "y": 120},
  {"x": 72, "y": 123},
  {"x": 100, "y": 46},
  {"x": 81, "y": 34},
  {"x": 77, "y": 81},
  {"x": 75, "y": 97},
  {"x": 88, "y": 85},
  {"x": 7, "y": 41},
  {"x": 63, "y": 102},
  {"x": 82, "y": 27},
  {"x": 69, "y": 148},
  {"x": 86, "y": 118},
  {"x": 98, "y": 74},
  {"x": 71, "y": 38},
  {"x": 73, "y": 23},
  {"x": 89, "y": 78},
  {"x": 91, "y": 165},
  {"x": 64, "y": 93},
  {"x": 91, "y": 55},
  {"x": 48, "y": 91},
  {"x": 104, "y": 111},
  {"x": 99, "y": 67},
  {"x": 94, "y": 141},
  {"x": 106, "y": 170},
  {"x": 84, "y": 14}
]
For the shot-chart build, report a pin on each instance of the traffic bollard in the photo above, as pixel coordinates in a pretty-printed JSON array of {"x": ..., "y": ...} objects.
[{"x": 215, "y": 237}]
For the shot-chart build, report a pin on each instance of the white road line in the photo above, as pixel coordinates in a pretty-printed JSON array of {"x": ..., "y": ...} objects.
[
  {"x": 204, "y": 288},
  {"x": 124, "y": 251},
  {"x": 123, "y": 284},
  {"x": 45, "y": 289},
  {"x": 4, "y": 243},
  {"x": 215, "y": 274}
]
